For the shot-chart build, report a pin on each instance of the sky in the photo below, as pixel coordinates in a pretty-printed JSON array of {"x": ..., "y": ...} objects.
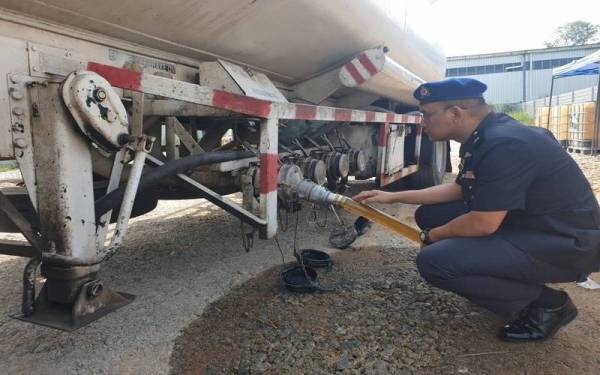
[{"x": 467, "y": 27}]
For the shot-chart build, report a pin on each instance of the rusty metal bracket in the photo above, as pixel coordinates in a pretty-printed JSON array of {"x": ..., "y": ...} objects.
[
  {"x": 216, "y": 199},
  {"x": 20, "y": 222}
]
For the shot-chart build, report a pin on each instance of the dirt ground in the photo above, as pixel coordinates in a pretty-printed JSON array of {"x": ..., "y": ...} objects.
[
  {"x": 205, "y": 306},
  {"x": 377, "y": 317},
  {"x": 380, "y": 318},
  {"x": 176, "y": 260}
]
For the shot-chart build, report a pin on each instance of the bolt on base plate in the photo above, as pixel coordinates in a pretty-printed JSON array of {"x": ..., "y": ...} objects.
[{"x": 84, "y": 310}]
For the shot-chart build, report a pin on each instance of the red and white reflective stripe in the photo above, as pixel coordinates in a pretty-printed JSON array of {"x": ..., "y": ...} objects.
[
  {"x": 367, "y": 63},
  {"x": 189, "y": 92},
  {"x": 268, "y": 149},
  {"x": 118, "y": 77},
  {"x": 357, "y": 78},
  {"x": 360, "y": 69},
  {"x": 320, "y": 113}
]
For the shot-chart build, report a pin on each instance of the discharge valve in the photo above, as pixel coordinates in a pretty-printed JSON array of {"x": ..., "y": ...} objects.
[{"x": 318, "y": 194}]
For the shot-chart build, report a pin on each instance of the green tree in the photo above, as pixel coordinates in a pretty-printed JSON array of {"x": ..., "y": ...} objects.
[{"x": 575, "y": 34}]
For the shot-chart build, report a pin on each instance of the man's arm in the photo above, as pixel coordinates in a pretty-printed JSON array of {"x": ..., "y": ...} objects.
[
  {"x": 435, "y": 194},
  {"x": 472, "y": 224}
]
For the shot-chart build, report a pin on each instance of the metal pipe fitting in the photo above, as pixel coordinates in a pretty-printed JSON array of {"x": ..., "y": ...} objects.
[
  {"x": 358, "y": 161},
  {"x": 338, "y": 164},
  {"x": 314, "y": 169},
  {"x": 310, "y": 191}
]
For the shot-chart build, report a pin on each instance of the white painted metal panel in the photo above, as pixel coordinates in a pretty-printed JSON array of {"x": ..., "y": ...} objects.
[
  {"x": 253, "y": 84},
  {"x": 12, "y": 59},
  {"x": 394, "y": 153},
  {"x": 290, "y": 39}
]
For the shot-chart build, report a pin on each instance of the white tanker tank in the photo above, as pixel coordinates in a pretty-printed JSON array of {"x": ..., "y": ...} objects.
[
  {"x": 110, "y": 106},
  {"x": 291, "y": 41}
]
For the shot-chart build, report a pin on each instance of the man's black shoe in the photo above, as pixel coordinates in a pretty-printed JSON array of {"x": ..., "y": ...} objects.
[
  {"x": 362, "y": 225},
  {"x": 538, "y": 323}
]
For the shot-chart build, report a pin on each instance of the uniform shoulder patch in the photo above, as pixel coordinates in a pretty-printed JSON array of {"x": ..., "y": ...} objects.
[{"x": 469, "y": 175}]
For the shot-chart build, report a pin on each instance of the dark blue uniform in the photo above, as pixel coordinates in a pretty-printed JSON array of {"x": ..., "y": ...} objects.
[{"x": 550, "y": 234}]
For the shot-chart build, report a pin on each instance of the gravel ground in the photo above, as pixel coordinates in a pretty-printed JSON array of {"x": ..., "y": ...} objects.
[
  {"x": 194, "y": 282},
  {"x": 176, "y": 260},
  {"x": 379, "y": 318}
]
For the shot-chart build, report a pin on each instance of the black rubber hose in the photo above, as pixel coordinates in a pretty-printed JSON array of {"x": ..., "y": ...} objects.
[{"x": 113, "y": 199}]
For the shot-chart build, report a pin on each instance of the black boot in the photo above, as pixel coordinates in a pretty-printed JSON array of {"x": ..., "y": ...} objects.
[
  {"x": 343, "y": 237},
  {"x": 538, "y": 323},
  {"x": 362, "y": 225}
]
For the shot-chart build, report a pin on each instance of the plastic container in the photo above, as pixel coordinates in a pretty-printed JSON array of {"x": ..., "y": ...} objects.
[
  {"x": 559, "y": 123},
  {"x": 297, "y": 280},
  {"x": 581, "y": 125},
  {"x": 541, "y": 117},
  {"x": 316, "y": 258}
]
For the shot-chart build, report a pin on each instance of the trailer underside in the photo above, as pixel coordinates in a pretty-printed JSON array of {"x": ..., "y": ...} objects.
[{"x": 100, "y": 135}]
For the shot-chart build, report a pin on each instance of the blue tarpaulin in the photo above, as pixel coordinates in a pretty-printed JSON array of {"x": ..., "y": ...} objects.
[{"x": 589, "y": 64}]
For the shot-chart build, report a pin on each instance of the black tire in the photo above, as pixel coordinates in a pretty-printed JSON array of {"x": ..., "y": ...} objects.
[{"x": 432, "y": 164}]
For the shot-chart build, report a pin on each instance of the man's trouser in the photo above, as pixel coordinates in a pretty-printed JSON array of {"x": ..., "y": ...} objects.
[{"x": 489, "y": 270}]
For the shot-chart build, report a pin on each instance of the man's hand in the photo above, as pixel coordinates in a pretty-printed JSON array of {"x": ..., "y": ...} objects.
[
  {"x": 374, "y": 196},
  {"x": 435, "y": 194}
]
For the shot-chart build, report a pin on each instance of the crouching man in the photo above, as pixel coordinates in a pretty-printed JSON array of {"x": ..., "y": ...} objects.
[{"x": 519, "y": 215}]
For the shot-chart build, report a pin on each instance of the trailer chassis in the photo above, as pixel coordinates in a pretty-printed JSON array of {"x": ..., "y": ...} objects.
[{"x": 55, "y": 158}]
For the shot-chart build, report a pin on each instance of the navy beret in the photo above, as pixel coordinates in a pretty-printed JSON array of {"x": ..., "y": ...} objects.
[{"x": 450, "y": 89}]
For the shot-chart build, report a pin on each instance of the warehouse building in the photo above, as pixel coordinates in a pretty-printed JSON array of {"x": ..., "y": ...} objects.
[{"x": 522, "y": 76}]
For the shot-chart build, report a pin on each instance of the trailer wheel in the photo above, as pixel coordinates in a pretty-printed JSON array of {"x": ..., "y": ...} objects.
[{"x": 432, "y": 164}]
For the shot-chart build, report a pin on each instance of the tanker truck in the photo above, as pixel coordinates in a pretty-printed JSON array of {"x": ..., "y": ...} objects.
[{"x": 110, "y": 106}]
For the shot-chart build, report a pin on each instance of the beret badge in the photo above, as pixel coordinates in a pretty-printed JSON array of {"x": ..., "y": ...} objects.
[{"x": 424, "y": 91}]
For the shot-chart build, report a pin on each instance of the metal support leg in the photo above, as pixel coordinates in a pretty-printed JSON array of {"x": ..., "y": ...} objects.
[
  {"x": 63, "y": 168},
  {"x": 268, "y": 175},
  {"x": 72, "y": 296}
]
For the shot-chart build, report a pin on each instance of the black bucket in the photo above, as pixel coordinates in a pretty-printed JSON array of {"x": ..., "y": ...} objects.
[
  {"x": 296, "y": 280},
  {"x": 316, "y": 258}
]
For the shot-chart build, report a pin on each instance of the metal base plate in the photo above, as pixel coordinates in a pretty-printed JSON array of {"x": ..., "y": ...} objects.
[{"x": 83, "y": 312}]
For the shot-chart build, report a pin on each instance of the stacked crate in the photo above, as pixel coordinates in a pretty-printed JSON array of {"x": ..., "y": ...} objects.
[{"x": 581, "y": 126}]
